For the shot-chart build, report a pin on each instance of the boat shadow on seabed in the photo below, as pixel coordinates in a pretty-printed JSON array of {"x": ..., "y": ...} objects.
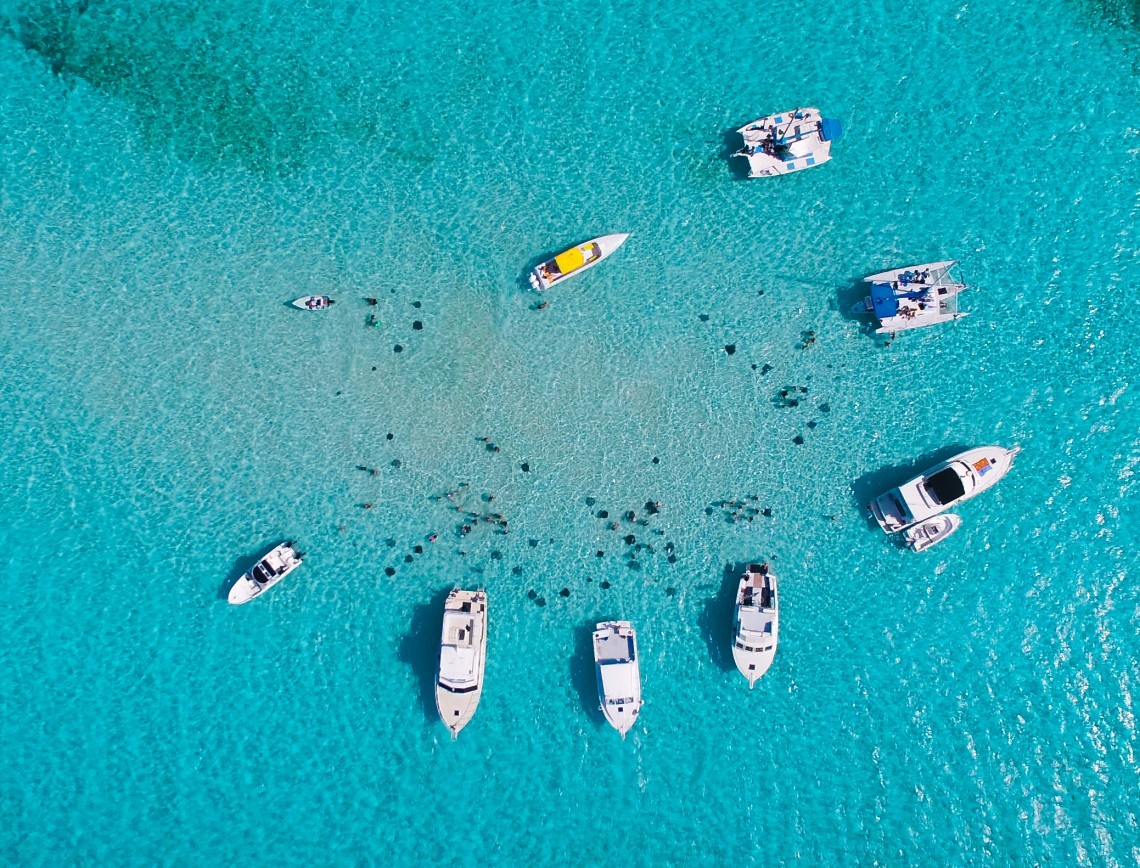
[
  {"x": 731, "y": 142},
  {"x": 715, "y": 620},
  {"x": 583, "y": 673},
  {"x": 870, "y": 485},
  {"x": 419, "y": 648}
]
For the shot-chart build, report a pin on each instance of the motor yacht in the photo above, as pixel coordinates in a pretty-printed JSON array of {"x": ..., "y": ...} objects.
[
  {"x": 462, "y": 658},
  {"x": 619, "y": 673},
  {"x": 942, "y": 487},
  {"x": 756, "y": 623}
]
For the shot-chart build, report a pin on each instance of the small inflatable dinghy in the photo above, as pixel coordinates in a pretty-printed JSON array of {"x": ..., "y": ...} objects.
[{"x": 932, "y": 531}]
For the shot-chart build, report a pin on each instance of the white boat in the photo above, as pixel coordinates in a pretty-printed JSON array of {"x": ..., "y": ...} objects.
[
  {"x": 788, "y": 142},
  {"x": 922, "y": 536},
  {"x": 575, "y": 260},
  {"x": 756, "y": 624},
  {"x": 943, "y": 486},
  {"x": 912, "y": 297},
  {"x": 619, "y": 673},
  {"x": 462, "y": 658},
  {"x": 266, "y": 573},
  {"x": 313, "y": 302}
]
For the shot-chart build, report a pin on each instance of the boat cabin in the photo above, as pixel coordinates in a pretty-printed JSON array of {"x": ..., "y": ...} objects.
[
  {"x": 457, "y": 663},
  {"x": 944, "y": 487}
]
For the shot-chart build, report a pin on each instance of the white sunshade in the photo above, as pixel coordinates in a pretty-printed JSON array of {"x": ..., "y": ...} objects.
[
  {"x": 457, "y": 664},
  {"x": 755, "y": 621},
  {"x": 619, "y": 680}
]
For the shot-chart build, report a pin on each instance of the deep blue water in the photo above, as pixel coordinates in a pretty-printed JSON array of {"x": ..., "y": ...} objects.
[{"x": 172, "y": 174}]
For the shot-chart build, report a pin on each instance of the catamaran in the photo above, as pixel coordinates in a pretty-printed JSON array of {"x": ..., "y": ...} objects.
[
  {"x": 942, "y": 487},
  {"x": 619, "y": 673},
  {"x": 912, "y": 297},
  {"x": 575, "y": 260},
  {"x": 266, "y": 573},
  {"x": 756, "y": 624},
  {"x": 462, "y": 657},
  {"x": 788, "y": 142}
]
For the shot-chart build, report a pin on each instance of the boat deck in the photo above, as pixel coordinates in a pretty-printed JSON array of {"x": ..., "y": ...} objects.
[
  {"x": 613, "y": 648},
  {"x": 756, "y": 623},
  {"x": 458, "y": 629}
]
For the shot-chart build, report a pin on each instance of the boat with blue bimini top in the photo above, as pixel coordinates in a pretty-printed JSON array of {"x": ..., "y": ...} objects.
[
  {"x": 619, "y": 673},
  {"x": 942, "y": 487},
  {"x": 912, "y": 297},
  {"x": 575, "y": 260},
  {"x": 788, "y": 142}
]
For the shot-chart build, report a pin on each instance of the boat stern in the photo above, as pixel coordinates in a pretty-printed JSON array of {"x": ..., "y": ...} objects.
[
  {"x": 888, "y": 510},
  {"x": 537, "y": 280}
]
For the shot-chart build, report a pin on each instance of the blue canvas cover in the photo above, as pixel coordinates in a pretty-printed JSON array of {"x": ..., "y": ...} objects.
[
  {"x": 883, "y": 300},
  {"x": 830, "y": 129}
]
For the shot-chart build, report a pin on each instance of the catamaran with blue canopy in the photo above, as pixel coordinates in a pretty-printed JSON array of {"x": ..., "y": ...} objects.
[
  {"x": 788, "y": 142},
  {"x": 912, "y": 297}
]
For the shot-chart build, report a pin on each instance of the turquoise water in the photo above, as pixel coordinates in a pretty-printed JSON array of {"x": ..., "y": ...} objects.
[{"x": 172, "y": 174}]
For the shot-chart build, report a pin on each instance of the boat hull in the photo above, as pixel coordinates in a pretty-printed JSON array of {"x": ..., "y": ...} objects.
[
  {"x": 618, "y": 671},
  {"x": 936, "y": 271},
  {"x": 273, "y": 567},
  {"x": 312, "y": 302},
  {"x": 910, "y": 503},
  {"x": 456, "y": 710},
  {"x": 463, "y": 658},
  {"x": 756, "y": 623},
  {"x": 787, "y": 142},
  {"x": 753, "y": 666},
  {"x": 912, "y": 297},
  {"x": 929, "y": 533},
  {"x": 546, "y": 274}
]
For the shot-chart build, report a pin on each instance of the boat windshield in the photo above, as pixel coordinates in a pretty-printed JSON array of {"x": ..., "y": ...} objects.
[
  {"x": 945, "y": 486},
  {"x": 451, "y": 689},
  {"x": 900, "y": 506}
]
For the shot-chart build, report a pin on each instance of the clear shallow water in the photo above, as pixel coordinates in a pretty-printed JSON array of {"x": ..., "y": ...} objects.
[{"x": 171, "y": 180}]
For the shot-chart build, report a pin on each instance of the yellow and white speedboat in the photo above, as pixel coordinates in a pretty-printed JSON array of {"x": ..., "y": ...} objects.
[{"x": 575, "y": 260}]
